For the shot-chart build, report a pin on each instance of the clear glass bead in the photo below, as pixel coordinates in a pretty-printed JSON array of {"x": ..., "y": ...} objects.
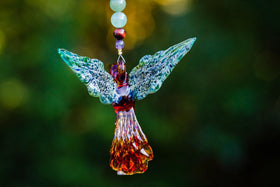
[
  {"x": 118, "y": 19},
  {"x": 117, "y": 5}
]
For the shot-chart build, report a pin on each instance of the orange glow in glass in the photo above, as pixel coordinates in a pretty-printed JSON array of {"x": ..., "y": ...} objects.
[{"x": 130, "y": 151}]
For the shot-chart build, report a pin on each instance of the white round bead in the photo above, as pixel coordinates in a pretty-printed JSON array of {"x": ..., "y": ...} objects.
[
  {"x": 118, "y": 19},
  {"x": 117, "y": 5}
]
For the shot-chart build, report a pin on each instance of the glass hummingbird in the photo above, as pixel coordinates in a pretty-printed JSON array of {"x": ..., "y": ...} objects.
[{"x": 130, "y": 151}]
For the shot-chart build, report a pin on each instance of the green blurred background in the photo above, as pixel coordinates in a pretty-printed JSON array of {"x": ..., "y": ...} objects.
[{"x": 215, "y": 121}]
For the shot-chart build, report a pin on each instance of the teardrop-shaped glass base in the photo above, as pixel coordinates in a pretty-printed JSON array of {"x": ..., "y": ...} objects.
[{"x": 130, "y": 151}]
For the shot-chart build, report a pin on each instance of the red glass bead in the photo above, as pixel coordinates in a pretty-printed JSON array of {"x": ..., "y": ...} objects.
[
  {"x": 118, "y": 71},
  {"x": 125, "y": 104},
  {"x": 119, "y": 34}
]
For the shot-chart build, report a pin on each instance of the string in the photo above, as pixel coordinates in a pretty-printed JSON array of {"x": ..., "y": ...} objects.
[{"x": 121, "y": 57}]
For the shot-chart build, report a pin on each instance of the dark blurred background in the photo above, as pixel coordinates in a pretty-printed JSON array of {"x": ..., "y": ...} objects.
[{"x": 215, "y": 121}]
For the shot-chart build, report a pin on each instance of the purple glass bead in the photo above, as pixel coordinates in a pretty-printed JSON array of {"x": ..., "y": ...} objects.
[{"x": 119, "y": 44}]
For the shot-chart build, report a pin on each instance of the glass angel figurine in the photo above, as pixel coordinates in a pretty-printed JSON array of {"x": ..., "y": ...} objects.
[{"x": 130, "y": 151}]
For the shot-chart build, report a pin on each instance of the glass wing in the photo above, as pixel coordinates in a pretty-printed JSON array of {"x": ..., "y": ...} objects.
[
  {"x": 148, "y": 76},
  {"x": 92, "y": 73}
]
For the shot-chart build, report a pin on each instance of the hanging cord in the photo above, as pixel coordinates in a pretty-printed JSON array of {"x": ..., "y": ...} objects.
[
  {"x": 122, "y": 58},
  {"x": 119, "y": 20}
]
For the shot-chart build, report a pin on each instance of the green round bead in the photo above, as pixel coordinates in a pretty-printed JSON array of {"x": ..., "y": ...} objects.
[
  {"x": 117, "y": 5},
  {"x": 118, "y": 19}
]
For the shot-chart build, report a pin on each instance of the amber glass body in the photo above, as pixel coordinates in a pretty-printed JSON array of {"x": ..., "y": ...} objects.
[{"x": 130, "y": 151}]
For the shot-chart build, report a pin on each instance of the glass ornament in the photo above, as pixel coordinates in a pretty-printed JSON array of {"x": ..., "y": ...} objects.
[{"x": 130, "y": 151}]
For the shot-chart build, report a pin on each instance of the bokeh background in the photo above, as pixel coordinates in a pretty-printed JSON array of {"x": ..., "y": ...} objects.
[{"x": 214, "y": 122}]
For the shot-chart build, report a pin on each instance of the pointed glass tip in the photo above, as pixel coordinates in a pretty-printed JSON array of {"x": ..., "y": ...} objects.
[
  {"x": 189, "y": 43},
  {"x": 65, "y": 54},
  {"x": 60, "y": 51},
  {"x": 193, "y": 40}
]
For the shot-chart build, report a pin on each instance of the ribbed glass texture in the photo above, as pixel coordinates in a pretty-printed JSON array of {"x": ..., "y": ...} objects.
[{"x": 152, "y": 70}]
